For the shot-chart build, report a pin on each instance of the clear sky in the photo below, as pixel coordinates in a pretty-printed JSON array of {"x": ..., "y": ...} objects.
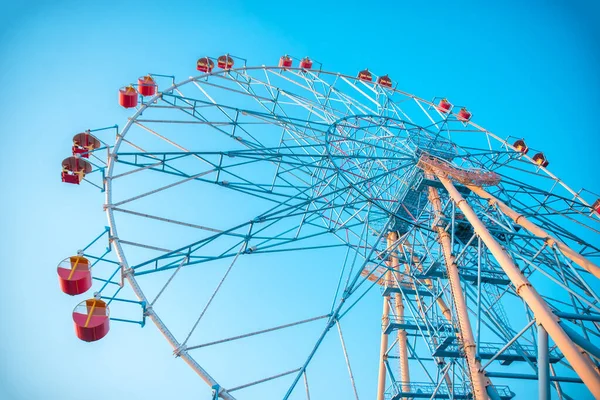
[{"x": 526, "y": 69}]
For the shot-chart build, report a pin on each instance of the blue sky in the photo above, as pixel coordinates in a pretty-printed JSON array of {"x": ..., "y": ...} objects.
[{"x": 526, "y": 70}]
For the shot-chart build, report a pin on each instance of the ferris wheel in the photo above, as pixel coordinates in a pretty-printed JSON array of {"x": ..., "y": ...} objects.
[{"x": 262, "y": 217}]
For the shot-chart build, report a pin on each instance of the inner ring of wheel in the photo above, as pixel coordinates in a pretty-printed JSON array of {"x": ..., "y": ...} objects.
[{"x": 377, "y": 157}]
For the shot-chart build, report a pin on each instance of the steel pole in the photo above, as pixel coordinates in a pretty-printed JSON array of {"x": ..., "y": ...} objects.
[
  {"x": 543, "y": 365},
  {"x": 478, "y": 379},
  {"x": 385, "y": 320},
  {"x": 399, "y": 308},
  {"x": 523, "y": 287}
]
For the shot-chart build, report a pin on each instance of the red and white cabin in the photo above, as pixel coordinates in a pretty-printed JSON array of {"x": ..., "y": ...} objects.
[
  {"x": 74, "y": 275},
  {"x": 225, "y": 62},
  {"x": 205, "y": 64},
  {"x": 540, "y": 159},
  {"x": 128, "y": 97},
  {"x": 596, "y": 206},
  {"x": 384, "y": 81},
  {"x": 92, "y": 321},
  {"x": 84, "y": 143},
  {"x": 464, "y": 115},
  {"x": 306, "y": 63},
  {"x": 521, "y": 146},
  {"x": 146, "y": 86},
  {"x": 444, "y": 106},
  {"x": 365, "y": 75},
  {"x": 285, "y": 61},
  {"x": 74, "y": 169}
]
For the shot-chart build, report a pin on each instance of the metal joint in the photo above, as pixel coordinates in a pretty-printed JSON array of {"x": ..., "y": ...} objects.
[
  {"x": 147, "y": 310},
  {"x": 178, "y": 351},
  {"x": 518, "y": 290}
]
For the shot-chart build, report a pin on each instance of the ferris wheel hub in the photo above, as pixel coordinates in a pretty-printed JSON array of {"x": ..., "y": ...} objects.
[{"x": 471, "y": 176}]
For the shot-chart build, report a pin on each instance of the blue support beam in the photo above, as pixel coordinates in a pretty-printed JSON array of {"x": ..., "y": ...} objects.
[
  {"x": 450, "y": 348},
  {"x": 388, "y": 290},
  {"x": 495, "y": 278},
  {"x": 507, "y": 375}
]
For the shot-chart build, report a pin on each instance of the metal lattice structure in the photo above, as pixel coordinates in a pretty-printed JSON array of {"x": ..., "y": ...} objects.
[{"x": 332, "y": 191}]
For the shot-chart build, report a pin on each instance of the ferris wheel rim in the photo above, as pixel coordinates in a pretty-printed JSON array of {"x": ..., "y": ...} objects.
[
  {"x": 223, "y": 72},
  {"x": 113, "y": 225}
]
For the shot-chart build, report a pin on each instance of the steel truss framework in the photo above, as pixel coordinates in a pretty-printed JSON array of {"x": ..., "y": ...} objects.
[{"x": 266, "y": 164}]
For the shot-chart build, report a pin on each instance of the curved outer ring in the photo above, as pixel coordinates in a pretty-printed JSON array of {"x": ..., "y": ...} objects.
[{"x": 128, "y": 274}]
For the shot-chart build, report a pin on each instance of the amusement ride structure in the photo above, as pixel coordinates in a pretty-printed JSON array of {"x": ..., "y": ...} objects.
[{"x": 336, "y": 193}]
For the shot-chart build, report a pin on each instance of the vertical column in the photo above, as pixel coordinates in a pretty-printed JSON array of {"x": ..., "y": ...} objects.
[
  {"x": 543, "y": 365},
  {"x": 478, "y": 379},
  {"x": 399, "y": 308},
  {"x": 385, "y": 320}
]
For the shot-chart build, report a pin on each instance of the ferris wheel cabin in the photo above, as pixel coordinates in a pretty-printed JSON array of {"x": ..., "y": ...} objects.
[
  {"x": 521, "y": 146},
  {"x": 74, "y": 169},
  {"x": 596, "y": 206},
  {"x": 444, "y": 106},
  {"x": 84, "y": 143},
  {"x": 225, "y": 62},
  {"x": 128, "y": 97},
  {"x": 205, "y": 64},
  {"x": 306, "y": 63},
  {"x": 74, "y": 275},
  {"x": 540, "y": 159},
  {"x": 464, "y": 115},
  {"x": 146, "y": 86},
  {"x": 91, "y": 319},
  {"x": 365, "y": 75},
  {"x": 384, "y": 81},
  {"x": 285, "y": 61}
]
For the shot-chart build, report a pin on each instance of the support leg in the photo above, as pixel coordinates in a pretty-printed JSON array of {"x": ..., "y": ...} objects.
[
  {"x": 478, "y": 379},
  {"x": 385, "y": 320},
  {"x": 543, "y": 365},
  {"x": 399, "y": 308}
]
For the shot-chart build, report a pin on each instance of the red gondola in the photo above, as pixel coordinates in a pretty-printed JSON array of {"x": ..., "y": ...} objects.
[
  {"x": 444, "y": 106},
  {"x": 91, "y": 318},
  {"x": 365, "y": 75},
  {"x": 74, "y": 275},
  {"x": 596, "y": 206},
  {"x": 84, "y": 143},
  {"x": 74, "y": 169},
  {"x": 285, "y": 61},
  {"x": 384, "y": 81},
  {"x": 205, "y": 64},
  {"x": 521, "y": 146},
  {"x": 146, "y": 86},
  {"x": 306, "y": 63},
  {"x": 128, "y": 97},
  {"x": 464, "y": 115},
  {"x": 540, "y": 159},
  {"x": 225, "y": 62}
]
